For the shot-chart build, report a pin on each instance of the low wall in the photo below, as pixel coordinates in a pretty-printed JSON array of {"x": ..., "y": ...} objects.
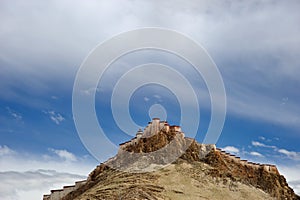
[
  {"x": 60, "y": 193},
  {"x": 266, "y": 167}
]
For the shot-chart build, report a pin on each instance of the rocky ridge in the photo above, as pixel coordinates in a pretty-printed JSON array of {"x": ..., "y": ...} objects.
[{"x": 142, "y": 170}]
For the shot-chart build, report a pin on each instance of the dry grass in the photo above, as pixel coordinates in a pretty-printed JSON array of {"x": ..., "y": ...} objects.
[{"x": 176, "y": 181}]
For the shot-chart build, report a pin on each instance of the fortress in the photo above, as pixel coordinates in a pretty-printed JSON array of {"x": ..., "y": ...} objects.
[
  {"x": 151, "y": 129},
  {"x": 156, "y": 126},
  {"x": 207, "y": 153}
]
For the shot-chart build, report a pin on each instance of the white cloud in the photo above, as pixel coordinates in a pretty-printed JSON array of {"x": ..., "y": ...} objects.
[
  {"x": 291, "y": 173},
  {"x": 14, "y": 114},
  {"x": 29, "y": 176},
  {"x": 59, "y": 160},
  {"x": 296, "y": 186},
  {"x": 146, "y": 99},
  {"x": 259, "y": 144},
  {"x": 231, "y": 149},
  {"x": 90, "y": 91},
  {"x": 270, "y": 50},
  {"x": 4, "y": 151},
  {"x": 32, "y": 184},
  {"x": 57, "y": 118},
  {"x": 157, "y": 96},
  {"x": 64, "y": 154},
  {"x": 261, "y": 106},
  {"x": 254, "y": 153},
  {"x": 262, "y": 138},
  {"x": 54, "y": 97},
  {"x": 290, "y": 154}
]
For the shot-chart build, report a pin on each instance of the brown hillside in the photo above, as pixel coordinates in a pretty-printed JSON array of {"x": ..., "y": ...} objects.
[{"x": 142, "y": 170}]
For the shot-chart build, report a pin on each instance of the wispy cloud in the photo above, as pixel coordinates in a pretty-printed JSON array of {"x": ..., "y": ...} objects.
[
  {"x": 14, "y": 114},
  {"x": 262, "y": 138},
  {"x": 64, "y": 154},
  {"x": 290, "y": 154},
  {"x": 57, "y": 118},
  {"x": 259, "y": 144},
  {"x": 231, "y": 149},
  {"x": 54, "y": 97},
  {"x": 90, "y": 91},
  {"x": 5, "y": 151},
  {"x": 254, "y": 153},
  {"x": 242, "y": 152},
  {"x": 293, "y": 155}
]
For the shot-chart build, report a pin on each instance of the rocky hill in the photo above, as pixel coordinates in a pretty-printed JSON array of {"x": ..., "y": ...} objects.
[{"x": 160, "y": 163}]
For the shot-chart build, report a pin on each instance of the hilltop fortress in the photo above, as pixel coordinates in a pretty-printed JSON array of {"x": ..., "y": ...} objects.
[
  {"x": 153, "y": 127},
  {"x": 158, "y": 134},
  {"x": 157, "y": 126}
]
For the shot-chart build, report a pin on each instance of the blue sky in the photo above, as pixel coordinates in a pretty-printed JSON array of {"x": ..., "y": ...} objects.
[{"x": 256, "y": 46}]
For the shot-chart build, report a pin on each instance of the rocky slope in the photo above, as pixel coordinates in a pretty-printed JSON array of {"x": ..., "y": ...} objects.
[
  {"x": 181, "y": 180},
  {"x": 142, "y": 170}
]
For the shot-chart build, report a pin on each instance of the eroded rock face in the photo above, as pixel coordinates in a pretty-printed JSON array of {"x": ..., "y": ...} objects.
[
  {"x": 269, "y": 181},
  {"x": 149, "y": 153}
]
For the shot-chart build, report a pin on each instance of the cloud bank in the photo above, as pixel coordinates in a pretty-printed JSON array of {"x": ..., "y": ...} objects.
[
  {"x": 33, "y": 184},
  {"x": 29, "y": 176},
  {"x": 255, "y": 44}
]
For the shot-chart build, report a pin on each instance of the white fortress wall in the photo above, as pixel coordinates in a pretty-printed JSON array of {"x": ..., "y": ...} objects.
[
  {"x": 79, "y": 184},
  {"x": 155, "y": 126},
  {"x": 56, "y": 194}
]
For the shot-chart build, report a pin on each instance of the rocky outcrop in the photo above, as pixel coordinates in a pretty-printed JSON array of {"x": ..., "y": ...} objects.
[
  {"x": 138, "y": 171},
  {"x": 262, "y": 176}
]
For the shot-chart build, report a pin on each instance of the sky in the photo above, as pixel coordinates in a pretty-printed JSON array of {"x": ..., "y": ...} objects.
[{"x": 254, "y": 44}]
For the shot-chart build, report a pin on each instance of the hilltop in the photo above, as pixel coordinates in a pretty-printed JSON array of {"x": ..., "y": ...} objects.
[{"x": 161, "y": 163}]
